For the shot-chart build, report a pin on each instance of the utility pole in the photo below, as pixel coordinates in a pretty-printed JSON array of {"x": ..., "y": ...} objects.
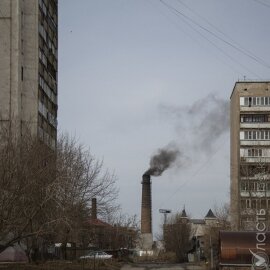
[
  {"x": 211, "y": 251},
  {"x": 165, "y": 212}
]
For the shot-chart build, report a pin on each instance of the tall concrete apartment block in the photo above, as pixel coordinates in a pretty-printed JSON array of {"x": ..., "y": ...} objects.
[
  {"x": 28, "y": 67},
  {"x": 250, "y": 154}
]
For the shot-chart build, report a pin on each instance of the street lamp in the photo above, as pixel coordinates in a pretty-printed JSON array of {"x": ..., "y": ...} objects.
[{"x": 165, "y": 212}]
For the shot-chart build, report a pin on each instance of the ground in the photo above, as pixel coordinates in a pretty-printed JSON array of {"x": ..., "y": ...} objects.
[
  {"x": 163, "y": 266},
  {"x": 65, "y": 265}
]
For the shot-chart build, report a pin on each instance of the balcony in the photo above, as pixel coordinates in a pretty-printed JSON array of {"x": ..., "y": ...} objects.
[
  {"x": 255, "y": 194},
  {"x": 248, "y": 211},
  {"x": 254, "y": 143},
  {"x": 255, "y": 125},
  {"x": 255, "y": 109},
  {"x": 261, "y": 160}
]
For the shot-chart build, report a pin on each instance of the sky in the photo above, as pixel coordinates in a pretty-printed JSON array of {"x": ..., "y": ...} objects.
[{"x": 136, "y": 76}]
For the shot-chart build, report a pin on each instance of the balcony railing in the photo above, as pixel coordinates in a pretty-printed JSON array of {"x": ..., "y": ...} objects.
[
  {"x": 255, "y": 125},
  {"x": 255, "y": 143}
]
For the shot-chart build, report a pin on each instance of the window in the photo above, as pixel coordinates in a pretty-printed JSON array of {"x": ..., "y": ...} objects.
[
  {"x": 254, "y": 152},
  {"x": 254, "y": 101},
  {"x": 260, "y": 186},
  {"x": 253, "y": 118},
  {"x": 244, "y": 186},
  {"x": 258, "y": 118},
  {"x": 263, "y": 203},
  {"x": 252, "y": 186},
  {"x": 243, "y": 204}
]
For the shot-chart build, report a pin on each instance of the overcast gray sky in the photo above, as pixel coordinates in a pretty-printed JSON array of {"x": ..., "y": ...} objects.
[{"x": 138, "y": 75}]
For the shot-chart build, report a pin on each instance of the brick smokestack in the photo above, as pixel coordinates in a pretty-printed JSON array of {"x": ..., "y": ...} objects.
[
  {"x": 94, "y": 209},
  {"x": 146, "y": 213}
]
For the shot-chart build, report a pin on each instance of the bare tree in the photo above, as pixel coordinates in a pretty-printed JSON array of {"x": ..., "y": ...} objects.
[
  {"x": 82, "y": 178},
  {"x": 177, "y": 234},
  {"x": 27, "y": 180},
  {"x": 222, "y": 213},
  {"x": 126, "y": 231},
  {"x": 45, "y": 194},
  {"x": 212, "y": 229},
  {"x": 254, "y": 191}
]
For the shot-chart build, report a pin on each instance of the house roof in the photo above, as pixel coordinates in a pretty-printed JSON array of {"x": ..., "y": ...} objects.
[
  {"x": 197, "y": 221},
  {"x": 210, "y": 214},
  {"x": 99, "y": 223},
  {"x": 184, "y": 214}
]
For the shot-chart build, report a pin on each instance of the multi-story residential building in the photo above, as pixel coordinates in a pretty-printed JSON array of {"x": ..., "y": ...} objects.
[
  {"x": 250, "y": 154},
  {"x": 28, "y": 67}
]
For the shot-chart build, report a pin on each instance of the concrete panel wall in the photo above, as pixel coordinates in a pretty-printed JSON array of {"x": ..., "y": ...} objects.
[
  {"x": 5, "y": 58},
  {"x": 30, "y": 65},
  {"x": 15, "y": 67},
  {"x": 242, "y": 89}
]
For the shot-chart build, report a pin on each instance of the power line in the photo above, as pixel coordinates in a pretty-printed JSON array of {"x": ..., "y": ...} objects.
[
  {"x": 215, "y": 35},
  {"x": 197, "y": 41},
  {"x": 189, "y": 179},
  {"x": 172, "y": 9},
  {"x": 221, "y": 32},
  {"x": 262, "y": 3}
]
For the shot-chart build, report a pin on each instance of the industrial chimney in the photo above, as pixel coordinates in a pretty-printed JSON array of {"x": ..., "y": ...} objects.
[{"x": 146, "y": 213}]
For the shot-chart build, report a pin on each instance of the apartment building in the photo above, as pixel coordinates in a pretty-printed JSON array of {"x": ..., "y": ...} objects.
[
  {"x": 28, "y": 67},
  {"x": 250, "y": 154}
]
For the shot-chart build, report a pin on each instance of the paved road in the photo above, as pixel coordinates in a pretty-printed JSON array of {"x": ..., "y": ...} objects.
[{"x": 162, "y": 266}]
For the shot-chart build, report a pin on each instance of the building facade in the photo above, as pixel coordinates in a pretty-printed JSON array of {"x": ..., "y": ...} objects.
[
  {"x": 28, "y": 67},
  {"x": 250, "y": 154}
]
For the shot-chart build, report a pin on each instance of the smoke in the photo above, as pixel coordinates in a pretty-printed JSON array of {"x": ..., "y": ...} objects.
[
  {"x": 198, "y": 127},
  {"x": 162, "y": 160},
  {"x": 201, "y": 124}
]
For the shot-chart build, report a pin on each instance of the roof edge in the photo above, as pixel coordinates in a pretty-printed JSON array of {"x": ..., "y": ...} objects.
[{"x": 247, "y": 82}]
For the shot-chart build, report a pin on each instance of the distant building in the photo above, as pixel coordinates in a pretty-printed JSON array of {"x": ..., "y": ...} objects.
[
  {"x": 199, "y": 227},
  {"x": 102, "y": 235},
  {"x": 28, "y": 67},
  {"x": 198, "y": 224},
  {"x": 250, "y": 154},
  {"x": 199, "y": 231}
]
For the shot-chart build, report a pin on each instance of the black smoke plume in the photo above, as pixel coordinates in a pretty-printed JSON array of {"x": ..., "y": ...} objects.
[
  {"x": 198, "y": 126},
  {"x": 201, "y": 124},
  {"x": 162, "y": 160}
]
